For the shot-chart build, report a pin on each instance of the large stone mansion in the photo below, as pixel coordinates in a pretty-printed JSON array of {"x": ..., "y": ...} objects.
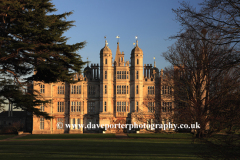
[{"x": 115, "y": 92}]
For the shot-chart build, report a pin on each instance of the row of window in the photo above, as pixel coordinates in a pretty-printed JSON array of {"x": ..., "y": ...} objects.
[
  {"x": 151, "y": 106},
  {"x": 121, "y": 107},
  {"x": 75, "y": 106},
  {"x": 91, "y": 107},
  {"x": 166, "y": 90},
  {"x": 76, "y": 89},
  {"x": 60, "y": 106},
  {"x": 122, "y": 74},
  {"x": 166, "y": 106},
  {"x": 150, "y": 90},
  {"x": 91, "y": 90},
  {"x": 122, "y": 89},
  {"x": 60, "y": 89}
]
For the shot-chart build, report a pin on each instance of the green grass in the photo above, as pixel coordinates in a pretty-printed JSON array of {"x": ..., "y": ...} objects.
[
  {"x": 67, "y": 136},
  {"x": 162, "y": 135},
  {"x": 130, "y": 149},
  {"x": 2, "y": 137}
]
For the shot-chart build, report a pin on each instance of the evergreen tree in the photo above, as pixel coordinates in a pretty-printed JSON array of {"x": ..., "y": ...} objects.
[{"x": 32, "y": 41}]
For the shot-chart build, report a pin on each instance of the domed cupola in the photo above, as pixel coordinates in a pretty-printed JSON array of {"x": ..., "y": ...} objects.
[
  {"x": 137, "y": 56},
  {"x": 105, "y": 49},
  {"x": 136, "y": 50}
]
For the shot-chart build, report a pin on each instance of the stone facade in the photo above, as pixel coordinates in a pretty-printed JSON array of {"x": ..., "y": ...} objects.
[{"x": 119, "y": 93}]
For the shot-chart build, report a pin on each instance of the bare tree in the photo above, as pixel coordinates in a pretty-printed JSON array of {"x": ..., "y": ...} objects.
[
  {"x": 205, "y": 76},
  {"x": 221, "y": 16}
]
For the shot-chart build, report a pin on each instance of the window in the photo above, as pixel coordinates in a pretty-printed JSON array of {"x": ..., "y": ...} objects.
[
  {"x": 166, "y": 90},
  {"x": 123, "y": 106},
  {"x": 105, "y": 74},
  {"x": 78, "y": 122},
  {"x": 78, "y": 107},
  {"x": 42, "y": 108},
  {"x": 79, "y": 89},
  {"x": 41, "y": 123},
  {"x": 73, "y": 105},
  {"x": 105, "y": 106},
  {"x": 105, "y": 61},
  {"x": 137, "y": 89},
  {"x": 123, "y": 74},
  {"x": 123, "y": 89},
  {"x": 73, "y": 122},
  {"x": 150, "y": 89},
  {"x": 118, "y": 89},
  {"x": 150, "y": 106},
  {"x": 73, "y": 89},
  {"x": 91, "y": 107},
  {"x": 137, "y": 106},
  {"x": 169, "y": 106},
  {"x": 137, "y": 61},
  {"x": 60, "y": 89},
  {"x": 127, "y": 107},
  {"x": 164, "y": 108},
  {"x": 42, "y": 88},
  {"x": 136, "y": 74},
  {"x": 105, "y": 89},
  {"x": 118, "y": 74},
  {"x": 91, "y": 90},
  {"x": 60, "y": 106},
  {"x": 60, "y": 123},
  {"x": 76, "y": 89},
  {"x": 118, "y": 106}
]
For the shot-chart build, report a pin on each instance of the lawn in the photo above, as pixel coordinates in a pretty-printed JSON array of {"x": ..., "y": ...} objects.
[
  {"x": 100, "y": 148},
  {"x": 6, "y": 136},
  {"x": 162, "y": 135},
  {"x": 67, "y": 136}
]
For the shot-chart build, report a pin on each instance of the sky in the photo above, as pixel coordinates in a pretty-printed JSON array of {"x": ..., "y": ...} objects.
[{"x": 152, "y": 21}]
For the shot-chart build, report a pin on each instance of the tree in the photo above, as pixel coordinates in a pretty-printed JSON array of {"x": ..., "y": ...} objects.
[
  {"x": 147, "y": 113},
  {"x": 209, "y": 42},
  {"x": 204, "y": 83},
  {"x": 221, "y": 16},
  {"x": 32, "y": 42}
]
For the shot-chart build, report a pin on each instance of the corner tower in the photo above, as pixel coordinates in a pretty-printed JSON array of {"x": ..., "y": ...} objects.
[
  {"x": 106, "y": 85},
  {"x": 136, "y": 78}
]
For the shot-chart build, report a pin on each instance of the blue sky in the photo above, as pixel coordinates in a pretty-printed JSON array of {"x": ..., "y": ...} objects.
[{"x": 151, "y": 20}]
